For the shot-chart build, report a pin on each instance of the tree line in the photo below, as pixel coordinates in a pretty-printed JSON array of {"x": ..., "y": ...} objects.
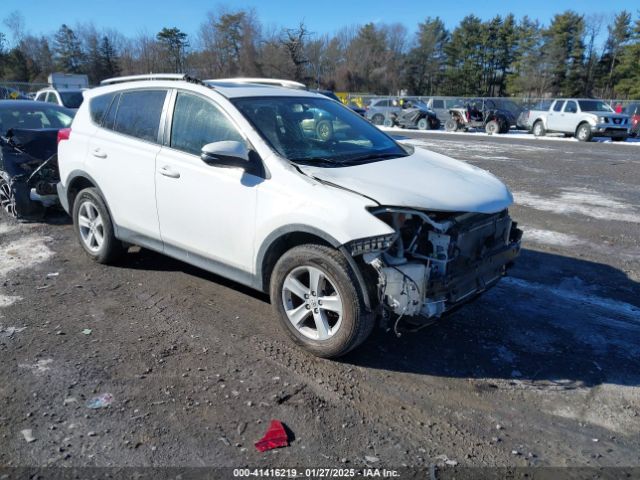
[{"x": 574, "y": 55}]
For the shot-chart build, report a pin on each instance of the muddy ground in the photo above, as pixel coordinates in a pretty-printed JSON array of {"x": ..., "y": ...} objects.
[{"x": 543, "y": 370}]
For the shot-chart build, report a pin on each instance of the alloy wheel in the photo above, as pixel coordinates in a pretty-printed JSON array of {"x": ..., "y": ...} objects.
[
  {"x": 91, "y": 226},
  {"x": 312, "y": 303},
  {"x": 7, "y": 202}
]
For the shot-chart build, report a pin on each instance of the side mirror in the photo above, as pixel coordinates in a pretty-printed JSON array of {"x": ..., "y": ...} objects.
[{"x": 226, "y": 154}]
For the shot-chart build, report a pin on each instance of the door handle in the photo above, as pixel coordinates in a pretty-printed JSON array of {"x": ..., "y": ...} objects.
[
  {"x": 97, "y": 152},
  {"x": 168, "y": 172}
]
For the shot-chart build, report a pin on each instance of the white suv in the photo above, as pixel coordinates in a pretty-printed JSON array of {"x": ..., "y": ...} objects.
[{"x": 288, "y": 192}]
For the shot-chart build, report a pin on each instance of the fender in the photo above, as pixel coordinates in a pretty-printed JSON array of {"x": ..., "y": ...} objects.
[{"x": 63, "y": 194}]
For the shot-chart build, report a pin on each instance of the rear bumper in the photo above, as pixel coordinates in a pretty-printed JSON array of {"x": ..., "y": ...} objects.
[{"x": 62, "y": 196}]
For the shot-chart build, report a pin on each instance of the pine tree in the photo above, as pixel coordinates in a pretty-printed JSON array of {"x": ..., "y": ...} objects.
[
  {"x": 174, "y": 42},
  {"x": 109, "y": 61},
  {"x": 564, "y": 54},
  {"x": 67, "y": 51},
  {"x": 619, "y": 34}
]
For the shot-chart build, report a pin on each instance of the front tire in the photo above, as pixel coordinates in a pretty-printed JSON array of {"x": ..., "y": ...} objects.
[
  {"x": 423, "y": 124},
  {"x": 492, "y": 127},
  {"x": 94, "y": 228},
  {"x": 313, "y": 291},
  {"x": 583, "y": 133}
]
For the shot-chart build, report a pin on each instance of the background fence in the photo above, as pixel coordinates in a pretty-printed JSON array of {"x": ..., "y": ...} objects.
[{"x": 359, "y": 99}]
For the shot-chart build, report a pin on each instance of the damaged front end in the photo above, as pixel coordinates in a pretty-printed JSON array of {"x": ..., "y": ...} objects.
[
  {"x": 436, "y": 261},
  {"x": 28, "y": 172}
]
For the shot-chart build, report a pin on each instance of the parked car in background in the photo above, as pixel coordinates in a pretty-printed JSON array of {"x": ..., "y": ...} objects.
[
  {"x": 8, "y": 93},
  {"x": 582, "y": 118},
  {"x": 477, "y": 115},
  {"x": 633, "y": 111},
  {"x": 28, "y": 165},
  {"x": 524, "y": 121},
  {"x": 380, "y": 108},
  {"x": 330, "y": 94},
  {"x": 71, "y": 98},
  {"x": 413, "y": 114},
  {"x": 338, "y": 231}
]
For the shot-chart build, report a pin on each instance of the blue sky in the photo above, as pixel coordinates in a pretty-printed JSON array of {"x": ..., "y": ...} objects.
[{"x": 135, "y": 16}]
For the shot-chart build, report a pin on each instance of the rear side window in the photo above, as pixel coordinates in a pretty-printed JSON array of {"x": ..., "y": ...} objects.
[
  {"x": 196, "y": 122},
  {"x": 138, "y": 114},
  {"x": 99, "y": 105},
  {"x": 438, "y": 104},
  {"x": 558, "y": 106}
]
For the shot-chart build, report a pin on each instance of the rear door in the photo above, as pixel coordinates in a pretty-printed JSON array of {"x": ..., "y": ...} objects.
[
  {"x": 122, "y": 156},
  {"x": 554, "y": 119},
  {"x": 569, "y": 117}
]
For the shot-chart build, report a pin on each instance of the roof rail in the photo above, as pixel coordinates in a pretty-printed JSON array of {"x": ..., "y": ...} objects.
[
  {"x": 151, "y": 76},
  {"x": 275, "y": 82}
]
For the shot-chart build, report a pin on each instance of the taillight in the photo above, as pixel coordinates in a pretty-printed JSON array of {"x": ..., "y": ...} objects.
[{"x": 64, "y": 134}]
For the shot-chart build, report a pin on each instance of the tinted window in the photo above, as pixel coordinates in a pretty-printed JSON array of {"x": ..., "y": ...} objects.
[
  {"x": 571, "y": 107},
  {"x": 139, "y": 112},
  {"x": 71, "y": 99},
  {"x": 382, "y": 103},
  {"x": 51, "y": 98},
  {"x": 594, "y": 106},
  {"x": 196, "y": 122},
  {"x": 558, "y": 106},
  {"x": 543, "y": 105},
  {"x": 99, "y": 105},
  {"x": 438, "y": 104}
]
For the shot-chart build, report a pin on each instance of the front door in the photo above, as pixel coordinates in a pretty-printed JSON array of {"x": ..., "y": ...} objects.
[{"x": 206, "y": 212}]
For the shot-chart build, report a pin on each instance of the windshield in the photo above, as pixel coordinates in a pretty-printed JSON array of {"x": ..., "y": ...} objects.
[
  {"x": 594, "y": 106},
  {"x": 317, "y": 131},
  {"x": 71, "y": 99},
  {"x": 34, "y": 118}
]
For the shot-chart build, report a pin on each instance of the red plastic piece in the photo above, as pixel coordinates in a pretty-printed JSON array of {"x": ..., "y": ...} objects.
[{"x": 275, "y": 437}]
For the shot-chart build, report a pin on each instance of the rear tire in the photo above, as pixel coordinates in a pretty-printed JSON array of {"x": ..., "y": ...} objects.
[
  {"x": 538, "y": 129},
  {"x": 423, "y": 124},
  {"x": 451, "y": 125},
  {"x": 583, "y": 133},
  {"x": 324, "y": 130},
  {"x": 301, "y": 279},
  {"x": 377, "y": 119},
  {"x": 94, "y": 228}
]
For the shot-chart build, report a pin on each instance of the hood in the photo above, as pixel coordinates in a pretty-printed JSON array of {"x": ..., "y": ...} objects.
[{"x": 424, "y": 180}]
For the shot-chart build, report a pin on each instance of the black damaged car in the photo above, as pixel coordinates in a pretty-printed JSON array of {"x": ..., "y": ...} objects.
[{"x": 28, "y": 155}]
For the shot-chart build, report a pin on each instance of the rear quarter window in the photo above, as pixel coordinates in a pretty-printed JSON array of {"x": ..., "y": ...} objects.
[
  {"x": 138, "y": 114},
  {"x": 99, "y": 105}
]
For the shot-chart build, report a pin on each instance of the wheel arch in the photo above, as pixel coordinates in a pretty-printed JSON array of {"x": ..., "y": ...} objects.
[
  {"x": 77, "y": 181},
  {"x": 283, "y": 239}
]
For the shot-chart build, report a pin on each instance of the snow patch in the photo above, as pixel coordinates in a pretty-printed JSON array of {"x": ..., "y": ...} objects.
[
  {"x": 23, "y": 253},
  {"x": 6, "y": 228},
  {"x": 619, "y": 314},
  {"x": 549, "y": 237},
  {"x": 7, "y": 300},
  {"x": 582, "y": 201},
  {"x": 38, "y": 368}
]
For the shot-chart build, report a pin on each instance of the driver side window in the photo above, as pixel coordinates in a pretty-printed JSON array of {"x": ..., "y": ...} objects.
[{"x": 197, "y": 122}]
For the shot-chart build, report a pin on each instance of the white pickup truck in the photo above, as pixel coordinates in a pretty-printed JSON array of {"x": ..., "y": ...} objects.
[{"x": 581, "y": 118}]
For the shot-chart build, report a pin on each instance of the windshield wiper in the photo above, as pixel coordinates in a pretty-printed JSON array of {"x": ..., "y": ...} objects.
[
  {"x": 375, "y": 156},
  {"x": 313, "y": 161}
]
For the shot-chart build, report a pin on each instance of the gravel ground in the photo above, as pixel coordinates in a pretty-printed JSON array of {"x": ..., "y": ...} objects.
[{"x": 543, "y": 370}]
